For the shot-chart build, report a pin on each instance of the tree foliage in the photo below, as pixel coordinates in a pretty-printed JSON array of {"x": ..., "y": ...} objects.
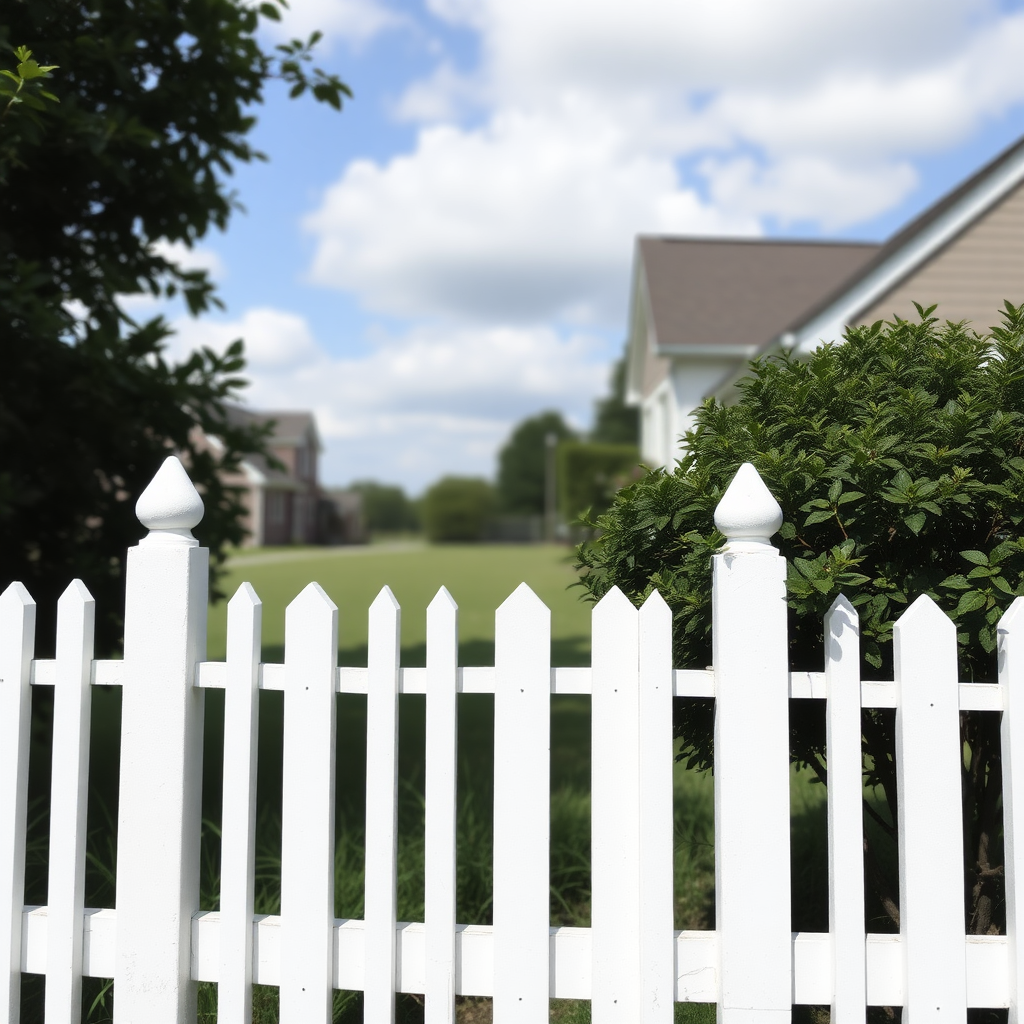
[
  {"x": 898, "y": 460},
  {"x": 457, "y": 508},
  {"x": 614, "y": 421},
  {"x": 522, "y": 462},
  {"x": 155, "y": 106},
  {"x": 591, "y": 473},
  {"x": 386, "y": 507}
]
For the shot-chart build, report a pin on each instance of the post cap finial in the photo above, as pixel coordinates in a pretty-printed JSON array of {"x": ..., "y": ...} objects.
[
  {"x": 748, "y": 513},
  {"x": 170, "y": 506}
]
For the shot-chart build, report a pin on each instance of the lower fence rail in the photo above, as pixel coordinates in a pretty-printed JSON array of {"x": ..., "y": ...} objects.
[{"x": 696, "y": 956}]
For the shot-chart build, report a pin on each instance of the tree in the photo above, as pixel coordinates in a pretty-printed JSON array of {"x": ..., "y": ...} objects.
[
  {"x": 897, "y": 460},
  {"x": 589, "y": 474},
  {"x": 154, "y": 110},
  {"x": 386, "y": 509},
  {"x": 614, "y": 421},
  {"x": 457, "y": 508},
  {"x": 521, "y": 462}
]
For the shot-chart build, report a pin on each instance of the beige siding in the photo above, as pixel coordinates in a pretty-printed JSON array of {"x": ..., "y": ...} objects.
[{"x": 971, "y": 276}]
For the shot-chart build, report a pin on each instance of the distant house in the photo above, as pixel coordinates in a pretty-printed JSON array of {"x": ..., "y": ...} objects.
[
  {"x": 282, "y": 502},
  {"x": 701, "y": 308}
]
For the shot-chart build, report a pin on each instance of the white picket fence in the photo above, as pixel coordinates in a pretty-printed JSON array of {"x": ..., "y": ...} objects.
[{"x": 631, "y": 964}]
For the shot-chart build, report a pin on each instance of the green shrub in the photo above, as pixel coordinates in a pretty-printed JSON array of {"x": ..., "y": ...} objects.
[
  {"x": 457, "y": 508},
  {"x": 897, "y": 460}
]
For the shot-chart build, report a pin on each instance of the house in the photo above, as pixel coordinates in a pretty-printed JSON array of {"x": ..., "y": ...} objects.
[
  {"x": 284, "y": 503},
  {"x": 701, "y": 308}
]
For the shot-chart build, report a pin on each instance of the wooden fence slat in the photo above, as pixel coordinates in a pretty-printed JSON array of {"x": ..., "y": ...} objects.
[
  {"x": 930, "y": 818},
  {"x": 69, "y": 804},
  {"x": 159, "y": 814},
  {"x": 1011, "y": 681},
  {"x": 615, "y": 815},
  {"x": 238, "y": 815},
  {"x": 307, "y": 828},
  {"x": 522, "y": 800},
  {"x": 752, "y": 827},
  {"x": 17, "y": 640},
  {"x": 657, "y": 938},
  {"x": 845, "y": 813},
  {"x": 439, "y": 824},
  {"x": 381, "y": 808}
]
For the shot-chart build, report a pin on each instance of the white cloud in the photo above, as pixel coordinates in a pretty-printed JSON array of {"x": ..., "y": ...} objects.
[
  {"x": 416, "y": 405},
  {"x": 529, "y": 217},
  {"x": 199, "y": 257},
  {"x": 587, "y": 122},
  {"x": 799, "y": 189}
]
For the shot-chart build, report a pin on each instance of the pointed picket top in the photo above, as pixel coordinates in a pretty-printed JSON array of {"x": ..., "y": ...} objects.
[
  {"x": 523, "y": 597},
  {"x": 1012, "y": 616},
  {"x": 611, "y": 608},
  {"x": 653, "y": 603},
  {"x": 75, "y": 593},
  {"x": 442, "y": 600},
  {"x": 841, "y": 616},
  {"x": 924, "y": 610},
  {"x": 312, "y": 597},
  {"x": 387, "y": 600},
  {"x": 245, "y": 595},
  {"x": 17, "y": 595},
  {"x": 170, "y": 506},
  {"x": 748, "y": 513}
]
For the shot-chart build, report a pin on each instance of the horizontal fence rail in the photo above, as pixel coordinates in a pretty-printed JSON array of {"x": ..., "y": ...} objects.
[
  {"x": 695, "y": 683},
  {"x": 631, "y": 963}
]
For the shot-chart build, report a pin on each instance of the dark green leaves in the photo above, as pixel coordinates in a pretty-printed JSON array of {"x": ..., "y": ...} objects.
[{"x": 897, "y": 460}]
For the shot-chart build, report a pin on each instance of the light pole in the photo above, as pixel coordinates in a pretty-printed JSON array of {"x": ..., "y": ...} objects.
[{"x": 550, "y": 503}]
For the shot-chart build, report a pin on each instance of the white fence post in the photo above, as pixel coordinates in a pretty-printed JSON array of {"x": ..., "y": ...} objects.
[
  {"x": 381, "y": 881},
  {"x": 69, "y": 804},
  {"x": 1011, "y": 682},
  {"x": 845, "y": 814},
  {"x": 657, "y": 938},
  {"x": 17, "y": 640},
  {"x": 440, "y": 815},
  {"x": 929, "y": 762},
  {"x": 615, "y": 812},
  {"x": 159, "y": 812},
  {"x": 522, "y": 799},
  {"x": 238, "y": 808},
  {"x": 307, "y": 816},
  {"x": 752, "y": 867}
]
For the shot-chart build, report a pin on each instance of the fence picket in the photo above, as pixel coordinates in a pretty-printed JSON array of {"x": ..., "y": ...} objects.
[
  {"x": 522, "y": 798},
  {"x": 439, "y": 825},
  {"x": 845, "y": 813},
  {"x": 1011, "y": 682},
  {"x": 69, "y": 794},
  {"x": 615, "y": 816},
  {"x": 159, "y": 813},
  {"x": 17, "y": 641},
  {"x": 238, "y": 816},
  {"x": 381, "y": 807},
  {"x": 657, "y": 939},
  {"x": 930, "y": 819},
  {"x": 307, "y": 828},
  {"x": 751, "y": 659}
]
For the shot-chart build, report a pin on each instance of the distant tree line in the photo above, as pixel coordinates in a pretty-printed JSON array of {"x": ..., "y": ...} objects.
[{"x": 588, "y": 470}]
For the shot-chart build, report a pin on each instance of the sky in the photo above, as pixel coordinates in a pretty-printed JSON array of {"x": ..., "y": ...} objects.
[{"x": 452, "y": 252}]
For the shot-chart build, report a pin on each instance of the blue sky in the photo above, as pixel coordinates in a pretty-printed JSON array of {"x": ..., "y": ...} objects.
[{"x": 452, "y": 252}]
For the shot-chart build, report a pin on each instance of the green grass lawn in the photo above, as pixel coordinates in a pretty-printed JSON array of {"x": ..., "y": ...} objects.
[{"x": 479, "y": 577}]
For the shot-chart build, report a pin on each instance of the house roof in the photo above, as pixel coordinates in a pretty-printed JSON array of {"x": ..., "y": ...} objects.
[
  {"x": 709, "y": 295},
  {"x": 290, "y": 428},
  {"x": 911, "y": 246}
]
